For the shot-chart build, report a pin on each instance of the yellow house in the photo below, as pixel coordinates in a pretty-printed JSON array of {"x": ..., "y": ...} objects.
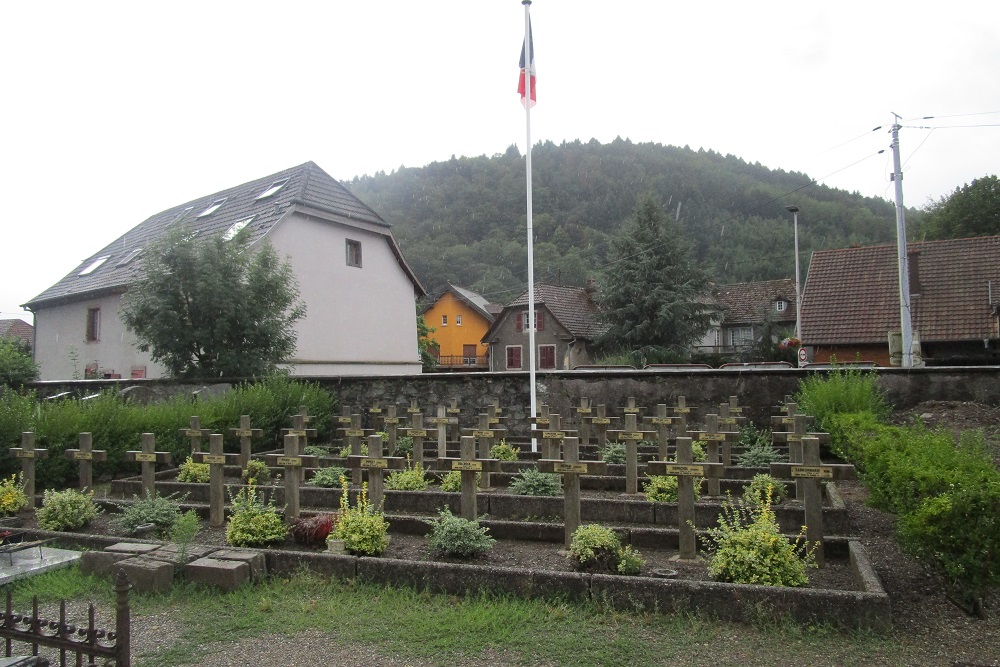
[{"x": 460, "y": 319}]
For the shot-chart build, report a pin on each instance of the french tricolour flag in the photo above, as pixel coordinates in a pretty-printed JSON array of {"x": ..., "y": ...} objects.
[{"x": 530, "y": 69}]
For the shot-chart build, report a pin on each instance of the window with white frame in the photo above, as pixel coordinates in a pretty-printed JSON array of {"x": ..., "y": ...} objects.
[
  {"x": 354, "y": 253},
  {"x": 444, "y": 320},
  {"x": 780, "y": 305},
  {"x": 458, "y": 320},
  {"x": 513, "y": 357},
  {"x": 741, "y": 336}
]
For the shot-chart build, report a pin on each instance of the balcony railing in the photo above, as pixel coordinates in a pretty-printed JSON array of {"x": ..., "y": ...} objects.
[{"x": 460, "y": 361}]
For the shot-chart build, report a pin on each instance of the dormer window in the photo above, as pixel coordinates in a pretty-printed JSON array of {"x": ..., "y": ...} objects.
[
  {"x": 93, "y": 266},
  {"x": 124, "y": 261},
  {"x": 237, "y": 228},
  {"x": 780, "y": 305},
  {"x": 213, "y": 207},
  {"x": 277, "y": 185}
]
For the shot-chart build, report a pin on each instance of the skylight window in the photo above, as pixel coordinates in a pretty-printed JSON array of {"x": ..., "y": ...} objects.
[
  {"x": 90, "y": 268},
  {"x": 181, "y": 215},
  {"x": 213, "y": 207},
  {"x": 128, "y": 258},
  {"x": 237, "y": 228},
  {"x": 277, "y": 185}
]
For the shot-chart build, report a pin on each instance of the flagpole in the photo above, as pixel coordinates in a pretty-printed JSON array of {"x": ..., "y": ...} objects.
[{"x": 531, "y": 252}]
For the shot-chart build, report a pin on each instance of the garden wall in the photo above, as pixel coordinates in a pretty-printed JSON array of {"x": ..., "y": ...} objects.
[{"x": 758, "y": 389}]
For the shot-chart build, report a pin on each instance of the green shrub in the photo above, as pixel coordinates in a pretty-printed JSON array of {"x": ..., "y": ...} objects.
[
  {"x": 748, "y": 548},
  {"x": 614, "y": 453},
  {"x": 328, "y": 478},
  {"x": 452, "y": 481},
  {"x": 194, "y": 473},
  {"x": 252, "y": 522},
  {"x": 16, "y": 364},
  {"x": 841, "y": 390},
  {"x": 763, "y": 487},
  {"x": 363, "y": 528},
  {"x": 256, "y": 472},
  {"x": 161, "y": 511},
  {"x": 410, "y": 479},
  {"x": 530, "y": 482},
  {"x": 315, "y": 450},
  {"x": 663, "y": 488},
  {"x": 456, "y": 537},
  {"x": 596, "y": 548},
  {"x": 504, "y": 452},
  {"x": 66, "y": 510},
  {"x": 345, "y": 451},
  {"x": 12, "y": 496},
  {"x": 183, "y": 532},
  {"x": 698, "y": 453},
  {"x": 404, "y": 446},
  {"x": 760, "y": 451}
]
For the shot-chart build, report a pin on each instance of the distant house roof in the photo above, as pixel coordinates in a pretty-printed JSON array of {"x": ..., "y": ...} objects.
[
  {"x": 747, "y": 303},
  {"x": 572, "y": 307},
  {"x": 475, "y": 301},
  {"x": 253, "y": 207},
  {"x": 852, "y": 294},
  {"x": 17, "y": 328}
]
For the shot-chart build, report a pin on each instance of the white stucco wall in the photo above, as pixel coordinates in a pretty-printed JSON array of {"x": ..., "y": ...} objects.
[
  {"x": 60, "y": 329},
  {"x": 359, "y": 321}
]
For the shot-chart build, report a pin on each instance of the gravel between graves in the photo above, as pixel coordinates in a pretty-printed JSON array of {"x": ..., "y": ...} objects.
[{"x": 930, "y": 629}]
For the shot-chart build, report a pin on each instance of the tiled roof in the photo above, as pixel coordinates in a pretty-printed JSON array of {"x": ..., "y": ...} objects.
[
  {"x": 747, "y": 303},
  {"x": 307, "y": 185},
  {"x": 852, "y": 294},
  {"x": 571, "y": 306},
  {"x": 17, "y": 328},
  {"x": 476, "y": 301}
]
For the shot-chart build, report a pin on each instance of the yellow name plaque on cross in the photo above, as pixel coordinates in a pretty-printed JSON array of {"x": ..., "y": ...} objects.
[
  {"x": 483, "y": 434},
  {"x": 391, "y": 420},
  {"x": 580, "y": 468},
  {"x": 374, "y": 463},
  {"x": 354, "y": 433},
  {"x": 145, "y": 458},
  {"x": 416, "y": 432},
  {"x": 289, "y": 461},
  {"x": 25, "y": 454},
  {"x": 83, "y": 456},
  {"x": 213, "y": 458},
  {"x": 553, "y": 435},
  {"x": 600, "y": 420},
  {"x": 467, "y": 465},
  {"x": 243, "y": 432},
  {"x": 193, "y": 433},
  {"x": 343, "y": 420},
  {"x": 298, "y": 433},
  {"x": 661, "y": 420},
  {"x": 630, "y": 435},
  {"x": 711, "y": 437},
  {"x": 812, "y": 472},
  {"x": 685, "y": 471}
]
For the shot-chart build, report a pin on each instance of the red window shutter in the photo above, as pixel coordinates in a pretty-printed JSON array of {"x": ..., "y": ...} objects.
[
  {"x": 547, "y": 356},
  {"x": 519, "y": 322},
  {"x": 514, "y": 358},
  {"x": 539, "y": 320}
]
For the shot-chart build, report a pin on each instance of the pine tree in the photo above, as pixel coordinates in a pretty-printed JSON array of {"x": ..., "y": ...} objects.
[{"x": 654, "y": 296}]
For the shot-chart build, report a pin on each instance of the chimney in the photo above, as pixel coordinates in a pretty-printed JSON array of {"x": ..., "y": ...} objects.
[{"x": 913, "y": 258}]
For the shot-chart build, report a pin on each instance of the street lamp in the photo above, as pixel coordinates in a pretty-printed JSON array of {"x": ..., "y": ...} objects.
[{"x": 794, "y": 210}]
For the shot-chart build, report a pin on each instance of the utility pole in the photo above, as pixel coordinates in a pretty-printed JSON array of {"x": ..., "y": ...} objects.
[{"x": 904, "y": 263}]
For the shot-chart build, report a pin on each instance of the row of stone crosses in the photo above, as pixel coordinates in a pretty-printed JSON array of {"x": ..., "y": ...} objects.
[{"x": 804, "y": 464}]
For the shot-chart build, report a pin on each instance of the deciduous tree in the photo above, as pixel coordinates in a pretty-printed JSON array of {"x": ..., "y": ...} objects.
[{"x": 971, "y": 210}]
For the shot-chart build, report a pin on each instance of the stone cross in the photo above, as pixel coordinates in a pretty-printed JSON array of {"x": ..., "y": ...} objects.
[
  {"x": 353, "y": 435},
  {"x": 542, "y": 419},
  {"x": 85, "y": 456},
  {"x": 245, "y": 433},
  {"x": 582, "y": 412},
  {"x": 417, "y": 433},
  {"x": 375, "y": 464},
  {"x": 485, "y": 437},
  {"x": 469, "y": 466},
  {"x": 344, "y": 420},
  {"x": 683, "y": 411},
  {"x": 442, "y": 422},
  {"x": 712, "y": 438},
  {"x": 632, "y": 436},
  {"x": 294, "y": 463},
  {"x": 195, "y": 433},
  {"x": 148, "y": 457},
  {"x": 390, "y": 422},
  {"x": 809, "y": 474},
  {"x": 663, "y": 435},
  {"x": 686, "y": 471},
  {"x": 631, "y": 408},
  {"x": 793, "y": 438},
  {"x": 551, "y": 437},
  {"x": 731, "y": 414},
  {"x": 788, "y": 417},
  {"x": 600, "y": 423},
  {"x": 454, "y": 412},
  {"x": 571, "y": 468},
  {"x": 413, "y": 409},
  {"x": 28, "y": 455},
  {"x": 216, "y": 460}
]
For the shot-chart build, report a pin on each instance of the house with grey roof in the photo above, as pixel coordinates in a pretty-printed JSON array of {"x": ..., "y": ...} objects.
[
  {"x": 18, "y": 329},
  {"x": 850, "y": 303},
  {"x": 566, "y": 326},
  {"x": 748, "y": 312},
  {"x": 358, "y": 289},
  {"x": 458, "y": 318}
]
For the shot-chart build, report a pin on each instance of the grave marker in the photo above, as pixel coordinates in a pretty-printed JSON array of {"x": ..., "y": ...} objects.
[
  {"x": 216, "y": 460},
  {"x": 712, "y": 437},
  {"x": 686, "y": 470},
  {"x": 600, "y": 423},
  {"x": 353, "y": 435},
  {"x": 85, "y": 457},
  {"x": 551, "y": 437},
  {"x": 631, "y": 408},
  {"x": 148, "y": 457},
  {"x": 809, "y": 474},
  {"x": 390, "y": 422},
  {"x": 582, "y": 412},
  {"x": 571, "y": 468},
  {"x": 793, "y": 438},
  {"x": 245, "y": 433},
  {"x": 294, "y": 463},
  {"x": 375, "y": 464},
  {"x": 662, "y": 423},
  {"x": 442, "y": 422},
  {"x": 469, "y": 466},
  {"x": 417, "y": 433},
  {"x": 454, "y": 412},
  {"x": 485, "y": 437},
  {"x": 194, "y": 433},
  {"x": 632, "y": 436},
  {"x": 683, "y": 412},
  {"x": 27, "y": 454},
  {"x": 731, "y": 414}
]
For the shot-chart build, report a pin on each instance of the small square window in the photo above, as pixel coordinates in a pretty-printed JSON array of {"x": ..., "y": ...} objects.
[
  {"x": 93, "y": 325},
  {"x": 93, "y": 266},
  {"x": 458, "y": 320},
  {"x": 277, "y": 185},
  {"x": 354, "y": 253},
  {"x": 780, "y": 305},
  {"x": 444, "y": 320},
  {"x": 213, "y": 207}
]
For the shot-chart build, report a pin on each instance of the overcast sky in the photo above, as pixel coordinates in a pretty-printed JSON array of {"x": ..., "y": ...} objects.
[{"x": 115, "y": 111}]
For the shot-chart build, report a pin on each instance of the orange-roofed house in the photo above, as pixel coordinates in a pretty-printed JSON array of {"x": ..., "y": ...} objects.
[
  {"x": 460, "y": 319},
  {"x": 851, "y": 302}
]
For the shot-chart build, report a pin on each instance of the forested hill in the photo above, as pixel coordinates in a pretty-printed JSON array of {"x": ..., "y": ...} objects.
[{"x": 463, "y": 220}]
